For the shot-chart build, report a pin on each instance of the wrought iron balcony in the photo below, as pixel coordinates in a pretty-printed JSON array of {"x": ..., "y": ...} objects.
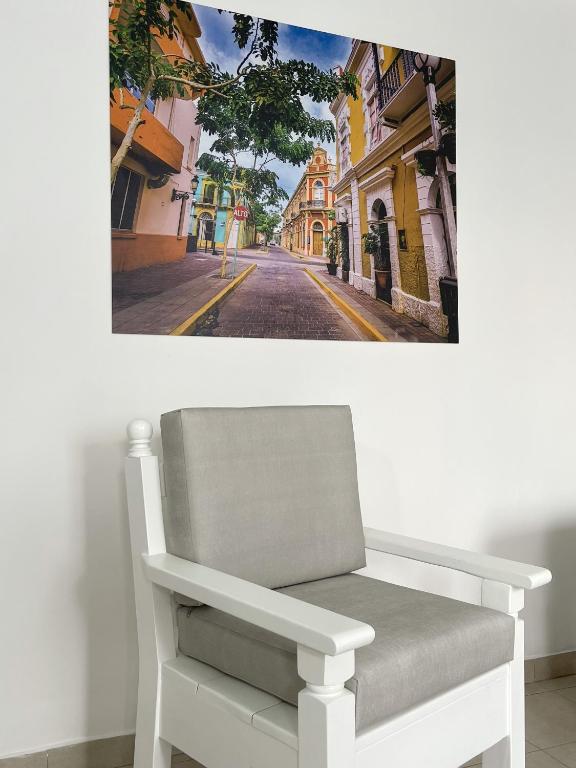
[
  {"x": 402, "y": 87},
  {"x": 307, "y": 204},
  {"x": 396, "y": 75}
]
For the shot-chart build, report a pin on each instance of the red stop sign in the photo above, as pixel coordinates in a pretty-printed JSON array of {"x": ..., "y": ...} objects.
[{"x": 240, "y": 212}]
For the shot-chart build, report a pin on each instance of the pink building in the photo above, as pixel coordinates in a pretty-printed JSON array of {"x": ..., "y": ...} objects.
[{"x": 149, "y": 218}]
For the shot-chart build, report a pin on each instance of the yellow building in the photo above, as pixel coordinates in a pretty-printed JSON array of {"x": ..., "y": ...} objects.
[
  {"x": 305, "y": 220},
  {"x": 211, "y": 217},
  {"x": 379, "y": 189}
]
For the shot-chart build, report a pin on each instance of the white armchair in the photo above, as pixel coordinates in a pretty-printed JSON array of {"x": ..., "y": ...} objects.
[{"x": 259, "y": 645}]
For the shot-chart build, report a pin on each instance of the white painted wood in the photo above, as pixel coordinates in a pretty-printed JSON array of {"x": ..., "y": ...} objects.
[
  {"x": 198, "y": 719},
  {"x": 509, "y": 752},
  {"x": 314, "y": 627},
  {"x": 153, "y": 604},
  {"x": 444, "y": 732},
  {"x": 326, "y": 710},
  {"x": 139, "y": 433},
  {"x": 234, "y": 696},
  {"x": 221, "y": 721},
  {"x": 184, "y": 671},
  {"x": 326, "y": 727},
  {"x": 320, "y": 669},
  {"x": 484, "y": 566},
  {"x": 280, "y": 722},
  {"x": 502, "y": 597}
]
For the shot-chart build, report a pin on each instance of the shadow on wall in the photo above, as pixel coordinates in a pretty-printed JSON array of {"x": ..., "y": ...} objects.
[
  {"x": 551, "y": 611},
  {"x": 107, "y": 595}
]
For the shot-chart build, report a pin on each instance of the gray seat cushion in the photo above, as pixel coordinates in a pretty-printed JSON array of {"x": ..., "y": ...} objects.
[
  {"x": 266, "y": 494},
  {"x": 425, "y": 644}
]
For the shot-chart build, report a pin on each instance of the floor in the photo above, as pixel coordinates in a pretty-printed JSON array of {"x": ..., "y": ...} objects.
[{"x": 550, "y": 726}]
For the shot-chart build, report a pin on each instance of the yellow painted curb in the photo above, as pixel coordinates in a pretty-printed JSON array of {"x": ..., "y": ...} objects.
[
  {"x": 347, "y": 309},
  {"x": 191, "y": 321}
]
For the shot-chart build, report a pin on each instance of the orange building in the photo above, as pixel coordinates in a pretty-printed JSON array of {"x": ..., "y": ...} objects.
[
  {"x": 305, "y": 218},
  {"x": 149, "y": 221}
]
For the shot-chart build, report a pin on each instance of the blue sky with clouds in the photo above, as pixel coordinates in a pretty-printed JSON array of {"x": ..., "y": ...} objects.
[{"x": 323, "y": 49}]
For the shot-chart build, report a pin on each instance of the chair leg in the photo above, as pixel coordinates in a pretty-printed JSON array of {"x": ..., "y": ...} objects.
[
  {"x": 150, "y": 750},
  {"x": 511, "y": 751},
  {"x": 326, "y": 729}
]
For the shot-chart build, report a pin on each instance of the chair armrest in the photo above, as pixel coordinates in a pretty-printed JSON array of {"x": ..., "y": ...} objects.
[
  {"x": 316, "y": 628},
  {"x": 475, "y": 563}
]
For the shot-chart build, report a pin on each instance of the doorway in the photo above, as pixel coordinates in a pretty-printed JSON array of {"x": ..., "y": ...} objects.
[
  {"x": 382, "y": 262},
  {"x": 317, "y": 239},
  {"x": 205, "y": 228}
]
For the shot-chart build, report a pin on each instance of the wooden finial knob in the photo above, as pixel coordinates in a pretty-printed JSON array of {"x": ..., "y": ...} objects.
[{"x": 139, "y": 436}]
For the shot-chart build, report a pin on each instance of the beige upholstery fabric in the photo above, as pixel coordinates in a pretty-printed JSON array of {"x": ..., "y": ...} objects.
[
  {"x": 425, "y": 644},
  {"x": 266, "y": 494}
]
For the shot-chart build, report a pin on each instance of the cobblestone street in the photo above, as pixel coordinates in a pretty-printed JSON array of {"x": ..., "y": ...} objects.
[{"x": 277, "y": 300}]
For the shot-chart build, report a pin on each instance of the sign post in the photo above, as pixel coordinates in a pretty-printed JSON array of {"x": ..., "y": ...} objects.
[{"x": 240, "y": 214}]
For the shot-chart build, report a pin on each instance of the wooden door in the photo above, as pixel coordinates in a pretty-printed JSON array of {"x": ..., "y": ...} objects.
[
  {"x": 317, "y": 242},
  {"x": 383, "y": 266}
]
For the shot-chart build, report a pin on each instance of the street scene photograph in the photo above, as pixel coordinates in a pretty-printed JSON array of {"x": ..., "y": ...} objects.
[{"x": 272, "y": 181}]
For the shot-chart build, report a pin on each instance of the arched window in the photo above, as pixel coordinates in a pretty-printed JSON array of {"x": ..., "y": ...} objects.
[
  {"x": 209, "y": 193},
  {"x": 318, "y": 190},
  {"x": 205, "y": 227},
  {"x": 379, "y": 210}
]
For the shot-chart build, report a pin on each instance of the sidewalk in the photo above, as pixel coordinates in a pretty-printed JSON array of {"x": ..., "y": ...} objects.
[
  {"x": 155, "y": 300},
  {"x": 391, "y": 324}
]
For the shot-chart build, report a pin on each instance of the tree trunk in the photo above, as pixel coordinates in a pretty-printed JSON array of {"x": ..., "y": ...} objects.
[
  {"x": 126, "y": 142},
  {"x": 227, "y": 230}
]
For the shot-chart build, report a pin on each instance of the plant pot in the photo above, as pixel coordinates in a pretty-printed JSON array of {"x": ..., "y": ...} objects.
[
  {"x": 426, "y": 159},
  {"x": 381, "y": 279},
  {"x": 346, "y": 275},
  {"x": 331, "y": 268},
  {"x": 447, "y": 147}
]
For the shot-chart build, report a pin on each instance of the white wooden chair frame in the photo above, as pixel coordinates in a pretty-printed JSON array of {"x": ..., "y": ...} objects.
[{"x": 224, "y": 723}]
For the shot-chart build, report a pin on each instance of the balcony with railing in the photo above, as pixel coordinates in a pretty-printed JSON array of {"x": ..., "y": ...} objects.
[
  {"x": 402, "y": 88},
  {"x": 153, "y": 142},
  {"x": 312, "y": 204}
]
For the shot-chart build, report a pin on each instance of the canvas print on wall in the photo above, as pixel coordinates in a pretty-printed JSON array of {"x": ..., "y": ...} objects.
[{"x": 271, "y": 181}]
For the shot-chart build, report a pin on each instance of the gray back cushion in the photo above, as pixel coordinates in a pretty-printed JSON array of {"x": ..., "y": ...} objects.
[{"x": 266, "y": 494}]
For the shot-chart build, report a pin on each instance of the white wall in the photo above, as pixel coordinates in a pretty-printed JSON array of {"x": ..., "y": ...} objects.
[{"x": 472, "y": 445}]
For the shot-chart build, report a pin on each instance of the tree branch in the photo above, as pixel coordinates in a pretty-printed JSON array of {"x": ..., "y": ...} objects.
[
  {"x": 251, "y": 51},
  {"x": 133, "y": 125},
  {"x": 199, "y": 86}
]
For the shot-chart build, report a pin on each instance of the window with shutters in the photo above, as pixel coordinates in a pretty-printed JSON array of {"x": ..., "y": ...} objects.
[{"x": 125, "y": 195}]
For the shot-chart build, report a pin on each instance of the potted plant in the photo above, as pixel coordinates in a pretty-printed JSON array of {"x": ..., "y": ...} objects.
[
  {"x": 332, "y": 251},
  {"x": 345, "y": 267},
  {"x": 372, "y": 247},
  {"x": 445, "y": 113},
  {"x": 344, "y": 243},
  {"x": 426, "y": 162}
]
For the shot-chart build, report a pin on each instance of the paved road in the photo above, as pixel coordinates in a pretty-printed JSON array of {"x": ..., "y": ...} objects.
[{"x": 278, "y": 301}]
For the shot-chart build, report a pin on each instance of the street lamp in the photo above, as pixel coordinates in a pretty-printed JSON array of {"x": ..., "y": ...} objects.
[
  {"x": 193, "y": 239},
  {"x": 428, "y": 66}
]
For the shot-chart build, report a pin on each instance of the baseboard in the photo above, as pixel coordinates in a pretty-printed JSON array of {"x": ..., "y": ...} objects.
[
  {"x": 548, "y": 667},
  {"x": 114, "y": 752},
  {"x": 118, "y": 751}
]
